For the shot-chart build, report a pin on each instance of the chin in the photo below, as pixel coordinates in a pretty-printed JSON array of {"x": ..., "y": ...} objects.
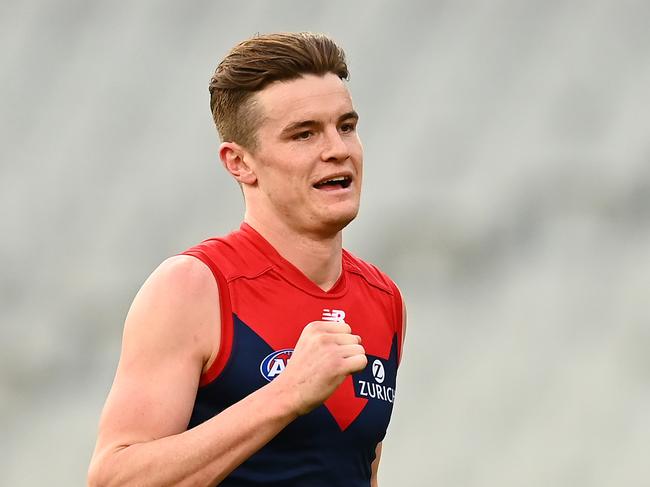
[{"x": 336, "y": 223}]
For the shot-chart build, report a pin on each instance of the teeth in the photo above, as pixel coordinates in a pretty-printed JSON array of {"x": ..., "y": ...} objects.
[
  {"x": 339, "y": 179},
  {"x": 335, "y": 180}
]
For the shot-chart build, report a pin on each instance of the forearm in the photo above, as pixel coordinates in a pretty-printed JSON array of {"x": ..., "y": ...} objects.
[
  {"x": 375, "y": 466},
  {"x": 204, "y": 455}
]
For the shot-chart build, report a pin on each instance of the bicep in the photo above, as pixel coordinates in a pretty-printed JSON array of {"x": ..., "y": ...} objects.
[{"x": 163, "y": 352}]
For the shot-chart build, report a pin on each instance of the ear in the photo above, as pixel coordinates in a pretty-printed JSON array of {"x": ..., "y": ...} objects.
[{"x": 235, "y": 159}]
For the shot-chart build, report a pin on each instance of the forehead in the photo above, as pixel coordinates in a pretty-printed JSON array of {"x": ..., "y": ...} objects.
[{"x": 309, "y": 97}]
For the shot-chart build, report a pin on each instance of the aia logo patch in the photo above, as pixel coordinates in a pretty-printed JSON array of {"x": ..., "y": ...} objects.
[{"x": 274, "y": 363}]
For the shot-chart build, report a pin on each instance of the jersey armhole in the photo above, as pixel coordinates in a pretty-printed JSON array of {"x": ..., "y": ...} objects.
[
  {"x": 399, "y": 319},
  {"x": 226, "y": 333}
]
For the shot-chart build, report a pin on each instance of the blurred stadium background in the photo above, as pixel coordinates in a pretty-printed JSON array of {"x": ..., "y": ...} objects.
[{"x": 507, "y": 192}]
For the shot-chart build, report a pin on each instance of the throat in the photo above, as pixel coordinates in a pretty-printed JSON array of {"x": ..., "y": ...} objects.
[
  {"x": 322, "y": 265},
  {"x": 318, "y": 258}
]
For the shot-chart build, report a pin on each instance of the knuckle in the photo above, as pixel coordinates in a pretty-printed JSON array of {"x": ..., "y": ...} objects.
[
  {"x": 325, "y": 339},
  {"x": 363, "y": 361},
  {"x": 342, "y": 340}
]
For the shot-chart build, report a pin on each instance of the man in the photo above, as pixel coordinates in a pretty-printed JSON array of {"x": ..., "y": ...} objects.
[{"x": 266, "y": 357}]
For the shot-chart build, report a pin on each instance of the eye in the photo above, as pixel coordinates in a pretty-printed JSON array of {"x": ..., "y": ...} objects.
[
  {"x": 347, "y": 127},
  {"x": 304, "y": 135}
]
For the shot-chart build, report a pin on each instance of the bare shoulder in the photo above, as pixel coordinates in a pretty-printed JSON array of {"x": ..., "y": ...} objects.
[
  {"x": 179, "y": 305},
  {"x": 181, "y": 284},
  {"x": 183, "y": 275}
]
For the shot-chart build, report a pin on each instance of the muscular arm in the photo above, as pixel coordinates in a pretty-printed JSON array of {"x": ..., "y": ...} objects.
[
  {"x": 375, "y": 466},
  {"x": 169, "y": 338}
]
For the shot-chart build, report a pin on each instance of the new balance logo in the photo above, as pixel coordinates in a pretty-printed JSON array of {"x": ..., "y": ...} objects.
[{"x": 333, "y": 315}]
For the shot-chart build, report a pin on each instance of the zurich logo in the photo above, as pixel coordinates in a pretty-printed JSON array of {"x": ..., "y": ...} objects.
[
  {"x": 274, "y": 363},
  {"x": 378, "y": 371}
]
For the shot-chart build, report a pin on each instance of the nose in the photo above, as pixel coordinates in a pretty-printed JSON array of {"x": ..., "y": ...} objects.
[{"x": 335, "y": 149}]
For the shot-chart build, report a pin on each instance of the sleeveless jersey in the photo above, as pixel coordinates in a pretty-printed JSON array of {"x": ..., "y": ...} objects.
[{"x": 265, "y": 303}]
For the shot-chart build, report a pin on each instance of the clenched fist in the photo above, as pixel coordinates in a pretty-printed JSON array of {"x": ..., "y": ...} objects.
[{"x": 325, "y": 354}]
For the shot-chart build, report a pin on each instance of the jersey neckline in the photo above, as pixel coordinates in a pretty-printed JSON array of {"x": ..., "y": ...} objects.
[{"x": 290, "y": 272}]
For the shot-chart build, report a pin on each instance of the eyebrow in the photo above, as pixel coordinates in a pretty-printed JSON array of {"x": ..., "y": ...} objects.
[{"x": 294, "y": 126}]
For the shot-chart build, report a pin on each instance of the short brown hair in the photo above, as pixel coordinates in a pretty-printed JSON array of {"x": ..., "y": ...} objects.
[{"x": 255, "y": 63}]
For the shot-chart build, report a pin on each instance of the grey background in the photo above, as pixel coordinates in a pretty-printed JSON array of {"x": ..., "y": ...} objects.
[{"x": 507, "y": 192}]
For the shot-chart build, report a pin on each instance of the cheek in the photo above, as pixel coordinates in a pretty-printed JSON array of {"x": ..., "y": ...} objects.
[
  {"x": 284, "y": 184},
  {"x": 358, "y": 161},
  {"x": 356, "y": 150}
]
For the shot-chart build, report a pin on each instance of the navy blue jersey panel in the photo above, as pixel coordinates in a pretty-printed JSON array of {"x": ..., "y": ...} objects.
[
  {"x": 240, "y": 377},
  {"x": 311, "y": 451}
]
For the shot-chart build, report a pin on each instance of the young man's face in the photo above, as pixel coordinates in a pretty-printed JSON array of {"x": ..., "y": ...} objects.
[{"x": 308, "y": 137}]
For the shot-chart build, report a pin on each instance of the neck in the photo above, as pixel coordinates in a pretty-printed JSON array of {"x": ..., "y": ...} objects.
[{"x": 318, "y": 257}]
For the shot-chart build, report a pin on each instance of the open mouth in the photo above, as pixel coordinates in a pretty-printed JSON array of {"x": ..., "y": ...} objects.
[{"x": 339, "y": 182}]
